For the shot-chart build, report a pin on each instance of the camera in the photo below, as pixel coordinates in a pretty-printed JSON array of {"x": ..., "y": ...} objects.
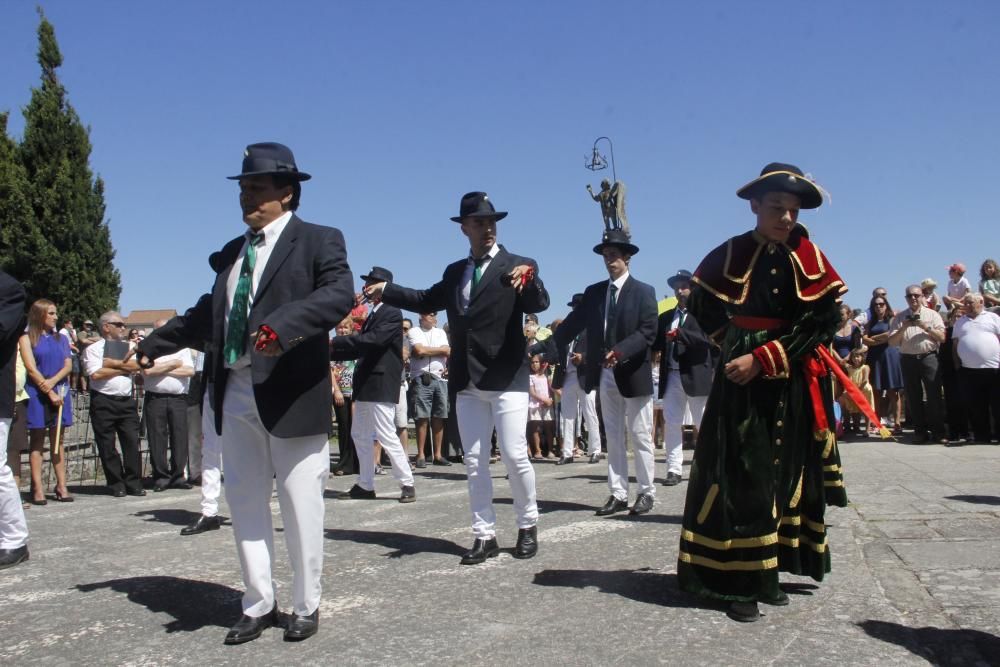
[{"x": 913, "y": 317}]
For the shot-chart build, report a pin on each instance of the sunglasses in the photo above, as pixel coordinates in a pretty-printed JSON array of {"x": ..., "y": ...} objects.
[
  {"x": 120, "y": 325},
  {"x": 879, "y": 303},
  {"x": 914, "y": 296}
]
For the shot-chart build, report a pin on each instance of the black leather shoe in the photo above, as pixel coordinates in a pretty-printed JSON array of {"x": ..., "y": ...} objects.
[
  {"x": 744, "y": 612},
  {"x": 527, "y": 542},
  {"x": 408, "y": 495},
  {"x": 442, "y": 462},
  {"x": 195, "y": 481},
  {"x": 136, "y": 492},
  {"x": 12, "y": 557},
  {"x": 611, "y": 506},
  {"x": 157, "y": 488},
  {"x": 595, "y": 457},
  {"x": 358, "y": 493},
  {"x": 421, "y": 463},
  {"x": 202, "y": 524},
  {"x": 673, "y": 479},
  {"x": 481, "y": 550},
  {"x": 182, "y": 484},
  {"x": 780, "y": 600},
  {"x": 118, "y": 493},
  {"x": 249, "y": 628},
  {"x": 564, "y": 460},
  {"x": 643, "y": 504},
  {"x": 301, "y": 627}
]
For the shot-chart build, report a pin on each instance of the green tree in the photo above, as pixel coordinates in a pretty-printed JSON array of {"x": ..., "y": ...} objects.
[
  {"x": 20, "y": 237},
  {"x": 65, "y": 254}
]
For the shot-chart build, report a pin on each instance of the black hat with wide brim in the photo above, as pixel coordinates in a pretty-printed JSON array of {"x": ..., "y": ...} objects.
[
  {"x": 269, "y": 158},
  {"x": 576, "y": 300},
  {"x": 616, "y": 238},
  {"x": 781, "y": 177},
  {"x": 477, "y": 205},
  {"x": 378, "y": 275},
  {"x": 681, "y": 276}
]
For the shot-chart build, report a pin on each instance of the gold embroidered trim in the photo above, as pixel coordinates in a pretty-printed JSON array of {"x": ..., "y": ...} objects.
[
  {"x": 719, "y": 295},
  {"x": 735, "y": 543},
  {"x": 794, "y": 502},
  {"x": 831, "y": 438},
  {"x": 706, "y": 506},
  {"x": 821, "y": 268},
  {"x": 818, "y": 547},
  {"x": 833, "y": 483},
  {"x": 789, "y": 542},
  {"x": 790, "y": 521},
  {"x": 833, "y": 468},
  {"x": 739, "y": 565},
  {"x": 750, "y": 264},
  {"x": 814, "y": 525}
]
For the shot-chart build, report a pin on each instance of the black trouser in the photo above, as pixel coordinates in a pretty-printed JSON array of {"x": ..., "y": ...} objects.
[
  {"x": 922, "y": 374},
  {"x": 345, "y": 444},
  {"x": 982, "y": 396},
  {"x": 167, "y": 427},
  {"x": 111, "y": 416}
]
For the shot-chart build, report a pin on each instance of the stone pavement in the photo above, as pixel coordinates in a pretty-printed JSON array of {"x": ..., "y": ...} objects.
[{"x": 916, "y": 578}]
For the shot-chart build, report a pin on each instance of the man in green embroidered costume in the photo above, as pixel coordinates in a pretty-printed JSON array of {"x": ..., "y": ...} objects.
[{"x": 766, "y": 464}]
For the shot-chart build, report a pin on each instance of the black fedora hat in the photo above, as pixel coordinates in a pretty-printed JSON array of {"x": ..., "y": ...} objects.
[
  {"x": 576, "y": 300},
  {"x": 378, "y": 275},
  {"x": 478, "y": 205},
  {"x": 781, "y": 177},
  {"x": 269, "y": 158},
  {"x": 616, "y": 238},
  {"x": 682, "y": 275}
]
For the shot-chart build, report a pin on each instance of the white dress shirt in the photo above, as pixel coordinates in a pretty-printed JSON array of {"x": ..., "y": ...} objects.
[
  {"x": 166, "y": 383},
  {"x": 607, "y": 295},
  {"x": 465, "y": 293},
  {"x": 93, "y": 361},
  {"x": 272, "y": 232}
]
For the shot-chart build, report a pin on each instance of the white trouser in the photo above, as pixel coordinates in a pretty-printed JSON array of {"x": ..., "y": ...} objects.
[
  {"x": 574, "y": 401},
  {"x": 478, "y": 412},
  {"x": 676, "y": 404},
  {"x": 13, "y": 526},
  {"x": 300, "y": 466},
  {"x": 635, "y": 414},
  {"x": 377, "y": 421},
  {"x": 211, "y": 459}
]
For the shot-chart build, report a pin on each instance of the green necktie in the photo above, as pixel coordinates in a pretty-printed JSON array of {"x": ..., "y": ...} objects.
[
  {"x": 477, "y": 275},
  {"x": 236, "y": 335},
  {"x": 609, "y": 326}
]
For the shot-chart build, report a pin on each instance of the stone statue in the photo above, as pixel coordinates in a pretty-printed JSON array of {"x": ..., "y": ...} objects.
[{"x": 612, "y": 201}]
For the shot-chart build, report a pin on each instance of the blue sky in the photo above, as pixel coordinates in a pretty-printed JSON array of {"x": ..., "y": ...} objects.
[{"x": 397, "y": 108}]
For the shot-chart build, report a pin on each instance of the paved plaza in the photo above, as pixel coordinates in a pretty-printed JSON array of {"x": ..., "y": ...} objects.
[{"x": 916, "y": 578}]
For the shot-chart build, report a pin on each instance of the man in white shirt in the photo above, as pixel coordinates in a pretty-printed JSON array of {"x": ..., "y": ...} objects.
[
  {"x": 919, "y": 331},
  {"x": 113, "y": 410},
  {"x": 165, "y": 408},
  {"x": 429, "y": 352},
  {"x": 977, "y": 350}
]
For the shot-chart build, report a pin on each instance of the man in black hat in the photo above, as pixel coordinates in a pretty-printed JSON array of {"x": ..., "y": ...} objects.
[
  {"x": 379, "y": 350},
  {"x": 766, "y": 463},
  {"x": 575, "y": 400},
  {"x": 486, "y": 296},
  {"x": 280, "y": 288},
  {"x": 686, "y": 365},
  {"x": 619, "y": 316},
  {"x": 13, "y": 527}
]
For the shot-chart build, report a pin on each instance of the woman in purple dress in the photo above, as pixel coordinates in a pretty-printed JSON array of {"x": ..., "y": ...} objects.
[{"x": 47, "y": 359}]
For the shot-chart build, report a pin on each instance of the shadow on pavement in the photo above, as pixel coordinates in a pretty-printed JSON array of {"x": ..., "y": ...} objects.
[
  {"x": 547, "y": 506},
  {"x": 172, "y": 516},
  {"x": 88, "y": 490},
  {"x": 676, "y": 519},
  {"x": 938, "y": 646},
  {"x": 402, "y": 544},
  {"x": 645, "y": 585},
  {"x": 981, "y": 500},
  {"x": 593, "y": 478},
  {"x": 455, "y": 476},
  {"x": 193, "y": 604}
]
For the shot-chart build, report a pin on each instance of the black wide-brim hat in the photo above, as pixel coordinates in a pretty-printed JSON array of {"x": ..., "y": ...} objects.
[
  {"x": 616, "y": 238},
  {"x": 478, "y": 205},
  {"x": 576, "y": 300},
  {"x": 682, "y": 275},
  {"x": 270, "y": 158},
  {"x": 781, "y": 177},
  {"x": 378, "y": 274}
]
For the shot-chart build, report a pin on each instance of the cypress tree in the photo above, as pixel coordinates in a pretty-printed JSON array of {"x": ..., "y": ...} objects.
[
  {"x": 20, "y": 237},
  {"x": 67, "y": 255}
]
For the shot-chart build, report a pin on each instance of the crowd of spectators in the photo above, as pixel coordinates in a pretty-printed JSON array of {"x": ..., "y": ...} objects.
[{"x": 931, "y": 365}]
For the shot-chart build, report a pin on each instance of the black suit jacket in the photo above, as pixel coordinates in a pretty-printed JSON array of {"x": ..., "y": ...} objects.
[
  {"x": 379, "y": 347},
  {"x": 694, "y": 354},
  {"x": 12, "y": 321},
  {"x": 635, "y": 328},
  {"x": 305, "y": 290},
  {"x": 549, "y": 349},
  {"x": 487, "y": 341}
]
